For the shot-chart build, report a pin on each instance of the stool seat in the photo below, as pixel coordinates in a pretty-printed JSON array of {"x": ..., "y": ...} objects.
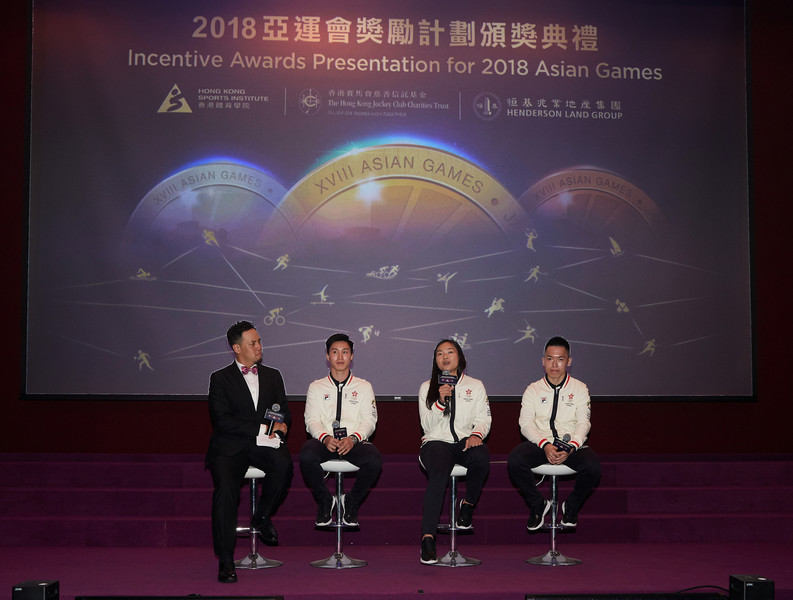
[
  {"x": 459, "y": 471},
  {"x": 453, "y": 558},
  {"x": 338, "y": 466},
  {"x": 553, "y": 558},
  {"x": 254, "y": 473},
  {"x": 254, "y": 560},
  {"x": 548, "y": 469},
  {"x": 338, "y": 560}
]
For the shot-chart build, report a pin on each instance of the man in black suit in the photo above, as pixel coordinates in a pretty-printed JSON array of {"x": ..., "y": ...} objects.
[{"x": 239, "y": 397}]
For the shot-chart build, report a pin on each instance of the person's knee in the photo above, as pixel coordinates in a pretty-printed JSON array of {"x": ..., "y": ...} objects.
[
  {"x": 480, "y": 459},
  {"x": 310, "y": 449},
  {"x": 595, "y": 471},
  {"x": 307, "y": 458},
  {"x": 374, "y": 459},
  {"x": 282, "y": 463},
  {"x": 516, "y": 461}
]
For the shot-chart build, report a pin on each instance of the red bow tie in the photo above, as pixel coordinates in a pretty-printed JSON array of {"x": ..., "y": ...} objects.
[{"x": 254, "y": 369}]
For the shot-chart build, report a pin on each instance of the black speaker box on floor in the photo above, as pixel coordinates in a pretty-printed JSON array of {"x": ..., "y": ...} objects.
[
  {"x": 36, "y": 590},
  {"x": 751, "y": 587}
]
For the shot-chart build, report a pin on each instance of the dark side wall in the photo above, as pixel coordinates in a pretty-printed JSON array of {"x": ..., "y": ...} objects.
[{"x": 618, "y": 427}]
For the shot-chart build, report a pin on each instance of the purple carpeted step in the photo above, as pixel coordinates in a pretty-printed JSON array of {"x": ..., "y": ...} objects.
[
  {"x": 149, "y": 500},
  {"x": 401, "y": 471},
  {"x": 695, "y": 472},
  {"x": 138, "y": 502},
  {"x": 293, "y": 531},
  {"x": 110, "y": 474}
]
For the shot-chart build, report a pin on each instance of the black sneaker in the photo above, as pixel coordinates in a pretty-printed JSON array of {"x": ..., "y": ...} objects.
[
  {"x": 569, "y": 515},
  {"x": 466, "y": 517},
  {"x": 429, "y": 555},
  {"x": 350, "y": 509},
  {"x": 537, "y": 516},
  {"x": 325, "y": 512}
]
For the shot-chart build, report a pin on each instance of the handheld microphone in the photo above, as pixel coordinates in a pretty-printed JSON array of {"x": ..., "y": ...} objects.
[
  {"x": 274, "y": 416},
  {"x": 447, "y": 378},
  {"x": 564, "y": 444},
  {"x": 339, "y": 432}
]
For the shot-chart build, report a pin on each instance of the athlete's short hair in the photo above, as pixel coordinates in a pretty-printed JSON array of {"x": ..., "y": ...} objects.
[
  {"x": 558, "y": 340},
  {"x": 338, "y": 337}
]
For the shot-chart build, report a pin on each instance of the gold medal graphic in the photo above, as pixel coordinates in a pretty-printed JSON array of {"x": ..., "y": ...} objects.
[
  {"x": 208, "y": 204},
  {"x": 596, "y": 201},
  {"x": 403, "y": 196}
]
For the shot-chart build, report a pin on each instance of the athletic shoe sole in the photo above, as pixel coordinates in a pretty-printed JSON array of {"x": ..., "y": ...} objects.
[
  {"x": 542, "y": 518},
  {"x": 344, "y": 514},
  {"x": 330, "y": 519},
  {"x": 567, "y": 523}
]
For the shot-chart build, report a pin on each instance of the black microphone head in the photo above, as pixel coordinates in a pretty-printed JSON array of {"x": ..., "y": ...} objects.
[
  {"x": 276, "y": 407},
  {"x": 335, "y": 424},
  {"x": 447, "y": 373}
]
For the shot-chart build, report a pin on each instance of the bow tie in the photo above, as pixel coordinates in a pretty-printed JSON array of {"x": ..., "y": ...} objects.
[{"x": 245, "y": 370}]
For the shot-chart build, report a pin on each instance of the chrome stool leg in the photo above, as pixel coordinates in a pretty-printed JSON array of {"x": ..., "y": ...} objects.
[
  {"x": 453, "y": 558},
  {"x": 339, "y": 560},
  {"x": 254, "y": 560},
  {"x": 553, "y": 558}
]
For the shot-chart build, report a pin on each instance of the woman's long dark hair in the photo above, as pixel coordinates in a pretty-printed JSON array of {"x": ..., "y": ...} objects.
[{"x": 433, "y": 395}]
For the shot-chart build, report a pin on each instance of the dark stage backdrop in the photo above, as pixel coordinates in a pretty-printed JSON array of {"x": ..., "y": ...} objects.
[{"x": 495, "y": 172}]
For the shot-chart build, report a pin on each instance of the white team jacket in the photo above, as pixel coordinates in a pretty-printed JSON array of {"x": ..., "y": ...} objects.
[
  {"x": 471, "y": 412},
  {"x": 572, "y": 413},
  {"x": 358, "y": 408}
]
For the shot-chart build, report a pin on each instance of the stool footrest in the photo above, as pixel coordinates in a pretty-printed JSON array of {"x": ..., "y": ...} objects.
[
  {"x": 446, "y": 528},
  {"x": 335, "y": 525}
]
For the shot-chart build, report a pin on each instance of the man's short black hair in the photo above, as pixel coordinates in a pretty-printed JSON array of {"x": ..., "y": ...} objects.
[
  {"x": 558, "y": 340},
  {"x": 234, "y": 334},
  {"x": 337, "y": 337}
]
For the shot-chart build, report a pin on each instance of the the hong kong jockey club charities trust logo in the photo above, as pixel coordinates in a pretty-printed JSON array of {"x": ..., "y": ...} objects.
[{"x": 310, "y": 101}]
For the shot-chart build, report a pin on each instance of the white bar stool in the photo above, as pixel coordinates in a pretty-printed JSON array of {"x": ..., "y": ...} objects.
[
  {"x": 453, "y": 558},
  {"x": 553, "y": 558},
  {"x": 338, "y": 560},
  {"x": 254, "y": 560}
]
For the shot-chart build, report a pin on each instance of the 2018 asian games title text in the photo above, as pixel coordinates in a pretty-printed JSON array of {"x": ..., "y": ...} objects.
[{"x": 384, "y": 64}]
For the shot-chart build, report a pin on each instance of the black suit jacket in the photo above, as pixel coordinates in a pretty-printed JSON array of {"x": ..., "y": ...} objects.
[{"x": 235, "y": 422}]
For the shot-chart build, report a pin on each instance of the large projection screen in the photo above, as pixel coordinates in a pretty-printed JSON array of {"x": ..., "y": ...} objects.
[{"x": 496, "y": 172}]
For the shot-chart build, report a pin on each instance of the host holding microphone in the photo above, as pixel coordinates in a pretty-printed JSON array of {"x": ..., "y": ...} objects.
[
  {"x": 555, "y": 419},
  {"x": 455, "y": 416},
  {"x": 250, "y": 418},
  {"x": 340, "y": 416}
]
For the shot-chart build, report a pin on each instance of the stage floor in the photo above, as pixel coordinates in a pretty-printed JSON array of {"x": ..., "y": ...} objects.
[{"x": 394, "y": 572}]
